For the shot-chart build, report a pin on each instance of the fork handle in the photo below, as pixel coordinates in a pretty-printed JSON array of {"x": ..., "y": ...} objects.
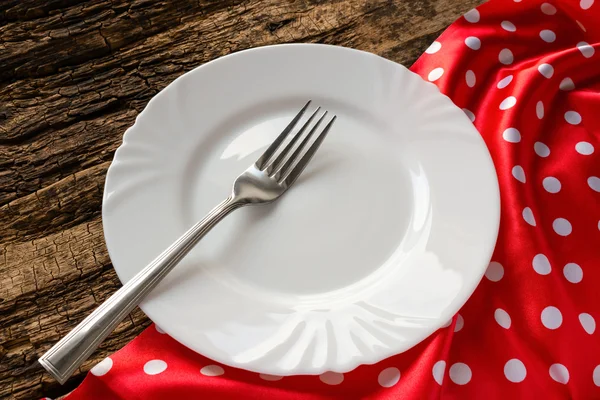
[{"x": 72, "y": 350}]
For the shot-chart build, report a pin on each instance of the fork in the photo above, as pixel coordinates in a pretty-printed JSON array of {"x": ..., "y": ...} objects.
[{"x": 263, "y": 182}]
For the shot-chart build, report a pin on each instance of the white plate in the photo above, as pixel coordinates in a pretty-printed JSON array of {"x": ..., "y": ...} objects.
[{"x": 380, "y": 242}]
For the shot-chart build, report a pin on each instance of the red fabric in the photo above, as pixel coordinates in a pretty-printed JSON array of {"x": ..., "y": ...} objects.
[{"x": 529, "y": 330}]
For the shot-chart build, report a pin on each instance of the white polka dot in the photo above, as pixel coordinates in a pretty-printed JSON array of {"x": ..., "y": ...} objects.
[
  {"x": 541, "y": 264},
  {"x": 502, "y": 318},
  {"x": 434, "y": 48},
  {"x": 212, "y": 370},
  {"x": 388, "y": 377},
  {"x": 438, "y": 371},
  {"x": 559, "y": 373},
  {"x": 154, "y": 367},
  {"x": 508, "y": 102},
  {"x": 331, "y": 378},
  {"x": 469, "y": 114},
  {"x": 584, "y": 148},
  {"x": 562, "y": 227},
  {"x": 159, "y": 329},
  {"x": 504, "y": 82},
  {"x": 594, "y": 183},
  {"x": 528, "y": 216},
  {"x": 494, "y": 271},
  {"x": 508, "y": 26},
  {"x": 551, "y": 184},
  {"x": 573, "y": 117},
  {"x": 586, "y": 4},
  {"x": 512, "y": 135},
  {"x": 587, "y": 322},
  {"x": 472, "y": 16},
  {"x": 460, "y": 373},
  {"x": 596, "y": 376},
  {"x": 505, "y": 56},
  {"x": 573, "y": 273},
  {"x": 460, "y": 322},
  {"x": 270, "y": 378},
  {"x": 546, "y": 70},
  {"x": 515, "y": 371},
  {"x": 470, "y": 78},
  {"x": 435, "y": 74},
  {"x": 551, "y": 317},
  {"x": 566, "y": 84},
  {"x": 102, "y": 367},
  {"x": 473, "y": 42},
  {"x": 539, "y": 109},
  {"x": 581, "y": 26},
  {"x": 548, "y": 36},
  {"x": 586, "y": 50},
  {"x": 518, "y": 173},
  {"x": 548, "y": 9},
  {"x": 541, "y": 149}
]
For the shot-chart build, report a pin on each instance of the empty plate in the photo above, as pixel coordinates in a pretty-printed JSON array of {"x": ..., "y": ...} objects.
[{"x": 380, "y": 242}]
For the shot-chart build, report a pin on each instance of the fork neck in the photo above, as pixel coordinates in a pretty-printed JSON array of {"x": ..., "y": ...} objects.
[{"x": 228, "y": 205}]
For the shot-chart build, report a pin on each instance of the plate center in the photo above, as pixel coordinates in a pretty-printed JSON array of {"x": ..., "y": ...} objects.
[{"x": 346, "y": 215}]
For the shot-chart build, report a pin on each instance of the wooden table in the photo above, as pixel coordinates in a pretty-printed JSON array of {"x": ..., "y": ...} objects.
[{"x": 73, "y": 76}]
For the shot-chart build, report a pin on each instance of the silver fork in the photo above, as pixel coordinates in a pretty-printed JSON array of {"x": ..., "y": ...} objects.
[{"x": 263, "y": 182}]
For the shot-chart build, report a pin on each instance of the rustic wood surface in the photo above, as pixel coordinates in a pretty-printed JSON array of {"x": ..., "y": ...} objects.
[{"x": 73, "y": 76}]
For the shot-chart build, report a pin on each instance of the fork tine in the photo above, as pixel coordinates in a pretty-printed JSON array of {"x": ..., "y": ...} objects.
[
  {"x": 266, "y": 156},
  {"x": 283, "y": 171},
  {"x": 290, "y": 178},
  {"x": 279, "y": 161}
]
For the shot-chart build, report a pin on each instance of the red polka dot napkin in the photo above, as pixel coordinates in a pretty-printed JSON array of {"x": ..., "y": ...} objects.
[{"x": 527, "y": 73}]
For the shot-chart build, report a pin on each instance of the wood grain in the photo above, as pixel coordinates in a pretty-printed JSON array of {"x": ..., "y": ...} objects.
[{"x": 73, "y": 76}]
